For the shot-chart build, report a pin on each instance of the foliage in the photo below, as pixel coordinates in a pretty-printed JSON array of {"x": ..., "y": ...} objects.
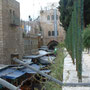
[
  {"x": 74, "y": 36},
  {"x": 86, "y": 37},
  {"x": 57, "y": 70},
  {"x": 86, "y": 12},
  {"x": 65, "y": 8},
  {"x": 61, "y": 45}
]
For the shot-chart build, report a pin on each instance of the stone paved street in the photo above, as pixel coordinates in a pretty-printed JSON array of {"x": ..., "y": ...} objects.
[{"x": 70, "y": 74}]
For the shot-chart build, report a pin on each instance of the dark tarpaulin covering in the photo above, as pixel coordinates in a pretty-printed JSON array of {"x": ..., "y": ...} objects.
[
  {"x": 27, "y": 70},
  {"x": 11, "y": 73}
]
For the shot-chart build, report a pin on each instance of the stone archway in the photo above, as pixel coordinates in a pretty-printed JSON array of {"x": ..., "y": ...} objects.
[{"x": 52, "y": 44}]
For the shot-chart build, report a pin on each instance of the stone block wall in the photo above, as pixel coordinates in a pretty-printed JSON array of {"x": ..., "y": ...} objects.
[
  {"x": 48, "y": 25},
  {"x": 30, "y": 44},
  {"x": 1, "y": 34},
  {"x": 11, "y": 34}
]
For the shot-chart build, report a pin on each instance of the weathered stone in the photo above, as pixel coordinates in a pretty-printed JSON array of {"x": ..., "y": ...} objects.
[
  {"x": 48, "y": 25},
  {"x": 10, "y": 35},
  {"x": 70, "y": 73}
]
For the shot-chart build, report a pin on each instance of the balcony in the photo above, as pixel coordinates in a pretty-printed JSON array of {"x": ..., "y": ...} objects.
[{"x": 14, "y": 21}]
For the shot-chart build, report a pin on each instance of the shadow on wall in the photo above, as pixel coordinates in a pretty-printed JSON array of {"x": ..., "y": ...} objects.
[{"x": 52, "y": 44}]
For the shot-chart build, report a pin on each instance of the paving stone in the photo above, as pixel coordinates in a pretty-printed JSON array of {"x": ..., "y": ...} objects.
[{"x": 70, "y": 74}]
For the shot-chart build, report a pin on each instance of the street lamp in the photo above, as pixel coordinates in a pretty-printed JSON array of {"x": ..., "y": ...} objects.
[{"x": 30, "y": 19}]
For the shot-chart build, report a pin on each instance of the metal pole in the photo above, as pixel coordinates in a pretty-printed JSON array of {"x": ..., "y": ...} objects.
[
  {"x": 8, "y": 85},
  {"x": 29, "y": 34},
  {"x": 55, "y": 22},
  {"x": 50, "y": 77}
]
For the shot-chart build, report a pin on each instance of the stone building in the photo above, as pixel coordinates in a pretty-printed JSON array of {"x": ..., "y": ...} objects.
[
  {"x": 10, "y": 33},
  {"x": 30, "y": 44},
  {"x": 32, "y": 39},
  {"x": 47, "y": 23}
]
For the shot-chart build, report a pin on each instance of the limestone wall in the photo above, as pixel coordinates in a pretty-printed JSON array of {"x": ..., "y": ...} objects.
[
  {"x": 12, "y": 35},
  {"x": 48, "y": 25},
  {"x": 30, "y": 44},
  {"x": 1, "y": 34}
]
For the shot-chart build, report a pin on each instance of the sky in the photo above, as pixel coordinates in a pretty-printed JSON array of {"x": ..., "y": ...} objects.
[{"x": 32, "y": 7}]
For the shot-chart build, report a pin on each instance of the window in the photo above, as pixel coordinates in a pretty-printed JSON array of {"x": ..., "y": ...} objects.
[
  {"x": 49, "y": 33},
  {"x": 52, "y": 33},
  {"x": 52, "y": 17},
  {"x": 10, "y": 11},
  {"x": 57, "y": 33},
  {"x": 48, "y": 17},
  {"x": 13, "y": 13}
]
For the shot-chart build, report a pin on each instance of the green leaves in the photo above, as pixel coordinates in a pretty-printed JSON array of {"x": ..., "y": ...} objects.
[
  {"x": 74, "y": 34},
  {"x": 86, "y": 12},
  {"x": 86, "y": 37},
  {"x": 66, "y": 8}
]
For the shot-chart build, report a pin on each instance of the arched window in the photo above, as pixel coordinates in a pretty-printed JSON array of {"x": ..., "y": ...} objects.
[
  {"x": 13, "y": 13},
  {"x": 53, "y": 33},
  {"x": 52, "y": 17},
  {"x": 48, "y": 17},
  {"x": 10, "y": 11},
  {"x": 57, "y": 33},
  {"x": 49, "y": 33}
]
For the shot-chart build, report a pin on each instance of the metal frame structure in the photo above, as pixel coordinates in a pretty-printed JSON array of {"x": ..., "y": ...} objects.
[{"x": 50, "y": 77}]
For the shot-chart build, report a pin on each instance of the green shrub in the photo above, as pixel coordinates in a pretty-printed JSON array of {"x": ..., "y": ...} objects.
[
  {"x": 86, "y": 37},
  {"x": 57, "y": 69}
]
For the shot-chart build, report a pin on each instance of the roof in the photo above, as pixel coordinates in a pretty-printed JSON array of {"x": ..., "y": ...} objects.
[
  {"x": 2, "y": 66},
  {"x": 11, "y": 73},
  {"x": 27, "y": 61},
  {"x": 37, "y": 56},
  {"x": 27, "y": 70},
  {"x": 46, "y": 71},
  {"x": 33, "y": 56}
]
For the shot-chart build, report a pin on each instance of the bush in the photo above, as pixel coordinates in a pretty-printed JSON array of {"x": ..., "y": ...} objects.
[
  {"x": 57, "y": 69},
  {"x": 86, "y": 37}
]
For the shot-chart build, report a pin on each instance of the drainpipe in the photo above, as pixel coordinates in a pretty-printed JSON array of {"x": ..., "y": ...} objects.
[{"x": 55, "y": 22}]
